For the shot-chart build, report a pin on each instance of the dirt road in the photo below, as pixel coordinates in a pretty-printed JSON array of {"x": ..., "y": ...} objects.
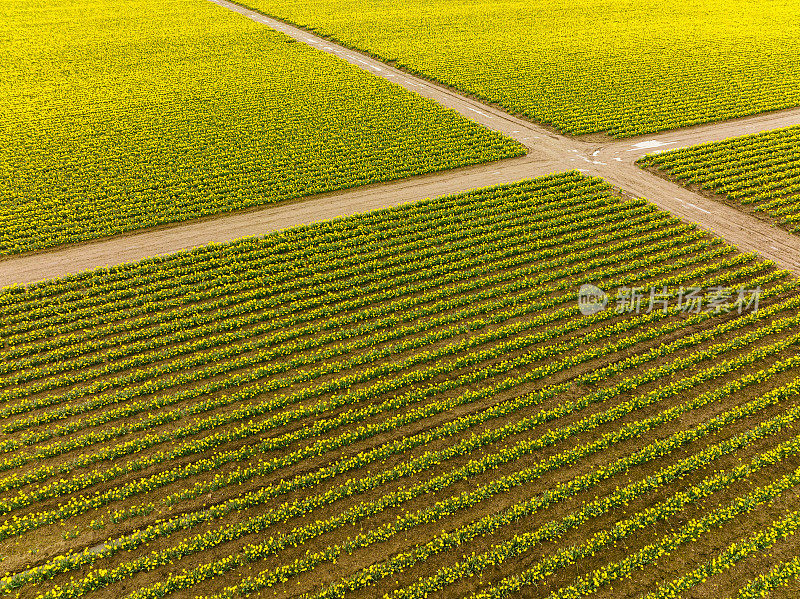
[{"x": 548, "y": 152}]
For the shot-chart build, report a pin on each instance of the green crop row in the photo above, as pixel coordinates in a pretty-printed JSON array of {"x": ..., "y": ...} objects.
[{"x": 762, "y": 170}]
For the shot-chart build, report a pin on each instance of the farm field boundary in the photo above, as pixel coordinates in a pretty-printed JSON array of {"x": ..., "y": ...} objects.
[
  {"x": 270, "y": 416},
  {"x": 756, "y": 173},
  {"x": 549, "y": 152}
]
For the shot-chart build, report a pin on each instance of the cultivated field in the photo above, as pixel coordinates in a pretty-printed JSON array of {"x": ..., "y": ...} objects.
[
  {"x": 536, "y": 385},
  {"x": 128, "y": 114},
  {"x": 760, "y": 172},
  {"x": 583, "y": 66},
  {"x": 408, "y": 403}
]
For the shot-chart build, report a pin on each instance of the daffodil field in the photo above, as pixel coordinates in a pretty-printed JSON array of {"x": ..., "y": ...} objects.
[
  {"x": 408, "y": 403},
  {"x": 760, "y": 171},
  {"x": 125, "y": 114},
  {"x": 582, "y": 66}
]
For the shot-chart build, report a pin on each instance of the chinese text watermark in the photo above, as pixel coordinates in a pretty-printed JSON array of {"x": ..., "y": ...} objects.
[{"x": 693, "y": 300}]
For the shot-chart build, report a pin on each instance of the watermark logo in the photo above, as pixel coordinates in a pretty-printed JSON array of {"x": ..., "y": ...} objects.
[
  {"x": 693, "y": 300},
  {"x": 591, "y": 300}
]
